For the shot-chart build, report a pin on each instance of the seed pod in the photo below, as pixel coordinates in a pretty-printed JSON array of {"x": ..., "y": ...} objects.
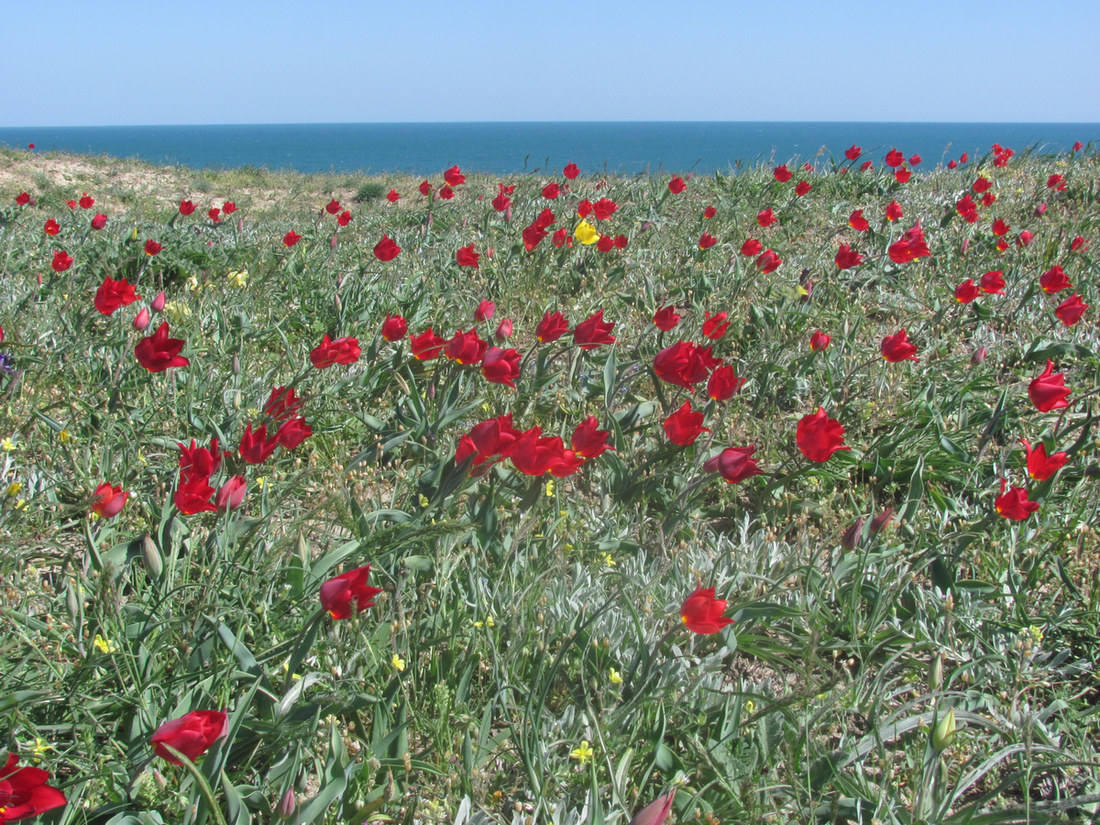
[{"x": 151, "y": 556}]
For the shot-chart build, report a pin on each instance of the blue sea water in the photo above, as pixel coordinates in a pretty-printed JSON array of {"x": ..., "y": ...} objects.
[{"x": 503, "y": 148}]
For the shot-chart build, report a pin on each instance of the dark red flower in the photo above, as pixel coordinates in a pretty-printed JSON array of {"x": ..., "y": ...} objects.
[
  {"x": 425, "y": 188},
  {"x": 446, "y": 192},
  {"x": 571, "y": 171},
  {"x": 676, "y": 185},
  {"x": 709, "y": 212},
  {"x": 894, "y": 158},
  {"x": 291, "y": 238},
  {"x": 993, "y": 282},
  {"x": 902, "y": 175},
  {"x": 1079, "y": 244},
  {"x": 1054, "y": 280},
  {"x": 99, "y": 221},
  {"x": 341, "y": 351},
  {"x": 24, "y": 792},
  {"x": 152, "y": 248},
  {"x": 1024, "y": 239},
  {"x": 751, "y": 247},
  {"x": 503, "y": 331},
  {"x": 466, "y": 256},
  {"x": 967, "y": 209},
  {"x": 427, "y": 345},
  {"x": 114, "y": 294},
  {"x": 685, "y": 425},
  {"x": 898, "y": 347},
  {"x": 293, "y": 432},
  {"x": 192, "y": 735},
  {"x": 454, "y": 176},
  {"x": 386, "y": 249},
  {"x": 533, "y": 235},
  {"x": 723, "y": 383},
  {"x": 485, "y": 311},
  {"x": 1041, "y": 466},
  {"x": 706, "y": 240},
  {"x": 819, "y": 341},
  {"x": 86, "y": 201},
  {"x": 858, "y": 222},
  {"x": 109, "y": 501},
  {"x": 734, "y": 464},
  {"x": 802, "y": 187},
  {"x": 981, "y": 185},
  {"x": 684, "y": 364},
  {"x": 466, "y": 348},
  {"x": 551, "y": 191},
  {"x": 782, "y": 173},
  {"x": 1077, "y": 146},
  {"x": 281, "y": 405},
  {"x": 715, "y": 326},
  {"x": 1000, "y": 227},
  {"x": 255, "y": 446},
  {"x": 501, "y": 366},
  {"x": 853, "y": 152},
  {"x": 893, "y": 211},
  {"x": 214, "y": 214},
  {"x": 594, "y": 332},
  {"x": 501, "y": 201},
  {"x": 588, "y": 440},
  {"x": 603, "y": 208},
  {"x": 1014, "y": 503},
  {"x": 344, "y": 218},
  {"x": 666, "y": 318},
  {"x": 158, "y": 352},
  {"x": 1056, "y": 182},
  {"x": 333, "y": 206},
  {"x": 394, "y": 328},
  {"x": 551, "y": 327},
  {"x": 765, "y": 217},
  {"x": 1069, "y": 312},
  {"x": 846, "y": 257},
  {"x": 193, "y": 494},
  {"x": 348, "y": 593},
  {"x": 1048, "y": 390},
  {"x": 584, "y": 208},
  {"x": 229, "y": 207},
  {"x": 230, "y": 495},
  {"x": 23, "y": 198},
  {"x": 392, "y": 196},
  {"x": 768, "y": 261},
  {"x": 966, "y": 292},
  {"x": 562, "y": 238},
  {"x": 61, "y": 261},
  {"x": 52, "y": 227},
  {"x": 186, "y": 207},
  {"x": 819, "y": 436},
  {"x": 605, "y": 243},
  {"x": 910, "y": 247},
  {"x": 701, "y": 612}
]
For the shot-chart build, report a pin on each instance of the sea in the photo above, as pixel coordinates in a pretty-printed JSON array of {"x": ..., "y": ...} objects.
[{"x": 424, "y": 149}]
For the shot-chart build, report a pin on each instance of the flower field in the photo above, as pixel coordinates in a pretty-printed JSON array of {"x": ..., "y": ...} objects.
[{"x": 760, "y": 497}]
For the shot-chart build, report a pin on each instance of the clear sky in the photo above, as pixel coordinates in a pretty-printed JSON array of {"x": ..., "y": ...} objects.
[{"x": 76, "y": 62}]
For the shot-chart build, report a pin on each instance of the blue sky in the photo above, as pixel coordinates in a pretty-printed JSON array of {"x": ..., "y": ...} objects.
[{"x": 123, "y": 63}]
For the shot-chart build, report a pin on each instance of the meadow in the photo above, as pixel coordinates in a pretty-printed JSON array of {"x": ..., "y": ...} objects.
[{"x": 759, "y": 497}]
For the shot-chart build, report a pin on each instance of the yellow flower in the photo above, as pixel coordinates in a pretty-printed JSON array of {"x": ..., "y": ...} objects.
[
  {"x": 237, "y": 277},
  {"x": 19, "y": 505},
  {"x": 398, "y": 663},
  {"x": 14, "y": 488},
  {"x": 7, "y": 445},
  {"x": 104, "y": 645},
  {"x": 550, "y": 488},
  {"x": 424, "y": 501},
  {"x": 614, "y": 675},
  {"x": 487, "y": 623},
  {"x": 610, "y": 562},
  {"x": 750, "y": 706},
  {"x": 586, "y": 233},
  {"x": 261, "y": 482},
  {"x": 583, "y": 753},
  {"x": 64, "y": 436},
  {"x": 40, "y": 747}
]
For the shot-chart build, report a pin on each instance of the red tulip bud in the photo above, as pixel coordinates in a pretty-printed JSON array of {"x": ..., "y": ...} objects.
[
  {"x": 850, "y": 540},
  {"x": 142, "y": 320},
  {"x": 288, "y": 803},
  {"x": 504, "y": 330},
  {"x": 158, "y": 302},
  {"x": 978, "y": 356},
  {"x": 881, "y": 520},
  {"x": 1040, "y": 209}
]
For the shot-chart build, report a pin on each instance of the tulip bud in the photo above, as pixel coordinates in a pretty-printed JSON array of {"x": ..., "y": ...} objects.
[
  {"x": 850, "y": 540},
  {"x": 236, "y": 364},
  {"x": 288, "y": 803},
  {"x": 133, "y": 234},
  {"x": 935, "y": 673},
  {"x": 142, "y": 320},
  {"x": 1040, "y": 209},
  {"x": 508, "y": 215},
  {"x": 334, "y": 241},
  {"x": 151, "y": 556},
  {"x": 943, "y": 735},
  {"x": 337, "y": 303},
  {"x": 504, "y": 330},
  {"x": 965, "y": 245},
  {"x": 159, "y": 302},
  {"x": 230, "y": 495},
  {"x": 977, "y": 356},
  {"x": 881, "y": 521},
  {"x": 72, "y": 599}
]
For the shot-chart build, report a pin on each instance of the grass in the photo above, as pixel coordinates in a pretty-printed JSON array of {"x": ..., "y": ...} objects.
[{"x": 521, "y": 616}]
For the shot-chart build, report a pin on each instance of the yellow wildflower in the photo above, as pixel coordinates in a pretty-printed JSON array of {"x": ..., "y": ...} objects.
[
  {"x": 104, "y": 645},
  {"x": 583, "y": 753},
  {"x": 610, "y": 562},
  {"x": 398, "y": 663},
  {"x": 550, "y": 488},
  {"x": 614, "y": 675},
  {"x": 64, "y": 436},
  {"x": 14, "y": 488},
  {"x": 586, "y": 233},
  {"x": 424, "y": 501},
  {"x": 7, "y": 445},
  {"x": 238, "y": 277}
]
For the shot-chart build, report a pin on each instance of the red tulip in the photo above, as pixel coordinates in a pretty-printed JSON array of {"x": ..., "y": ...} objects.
[
  {"x": 454, "y": 176},
  {"x": 214, "y": 214},
  {"x": 981, "y": 185},
  {"x": 846, "y": 257},
  {"x": 52, "y": 227},
  {"x": 386, "y": 249},
  {"x": 966, "y": 292},
  {"x": 229, "y": 207},
  {"x": 99, "y": 221},
  {"x": 348, "y": 593},
  {"x": 109, "y": 501},
  {"x": 676, "y": 185},
  {"x": 701, "y": 612},
  {"x": 392, "y": 196},
  {"x": 282, "y": 405},
  {"x": 709, "y": 212},
  {"x": 341, "y": 351},
  {"x": 23, "y": 198},
  {"x": 765, "y": 217},
  {"x": 1041, "y": 466},
  {"x": 1079, "y": 244},
  {"x": 685, "y": 425},
  {"x": 186, "y": 207},
  {"x": 604, "y": 208},
  {"x": 1069, "y": 312},
  {"x": 24, "y": 792},
  {"x": 255, "y": 446},
  {"x": 819, "y": 436},
  {"x": 571, "y": 171},
  {"x": 1054, "y": 280},
  {"x": 734, "y": 464},
  {"x": 910, "y": 247},
  {"x": 593, "y": 332},
  {"x": 394, "y": 328},
  {"x": 715, "y": 326},
  {"x": 344, "y": 218},
  {"x": 853, "y": 152},
  {"x": 993, "y": 283},
  {"x": 893, "y": 211},
  {"x": 86, "y": 201},
  {"x": 666, "y": 318},
  {"x": 802, "y": 187},
  {"x": 158, "y": 352},
  {"x": 768, "y": 261},
  {"x": 1014, "y": 504},
  {"x": 1024, "y": 239},
  {"x": 782, "y": 173},
  {"x": 157, "y": 304},
  {"x": 61, "y": 261},
  {"x": 152, "y": 248},
  {"x": 466, "y": 348},
  {"x": 551, "y": 327},
  {"x": 684, "y": 364},
  {"x": 858, "y": 222},
  {"x": 485, "y": 311},
  {"x": 192, "y": 735},
  {"x": 706, "y": 240},
  {"x": 1000, "y": 227},
  {"x": 819, "y": 341},
  {"x": 333, "y": 206},
  {"x": 114, "y": 294},
  {"x": 588, "y": 440},
  {"x": 230, "y": 495},
  {"x": 724, "y": 383},
  {"x": 466, "y": 256},
  {"x": 751, "y": 247},
  {"x": 427, "y": 345},
  {"x": 898, "y": 348},
  {"x": 503, "y": 330},
  {"x": 501, "y": 366},
  {"x": 291, "y": 238},
  {"x": 199, "y": 462},
  {"x": 1056, "y": 182},
  {"x": 894, "y": 158},
  {"x": 292, "y": 433},
  {"x": 967, "y": 209},
  {"x": 902, "y": 175},
  {"x": 1048, "y": 390}
]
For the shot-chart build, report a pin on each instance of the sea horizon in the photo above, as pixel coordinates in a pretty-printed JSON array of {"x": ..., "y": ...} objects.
[{"x": 508, "y": 147}]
